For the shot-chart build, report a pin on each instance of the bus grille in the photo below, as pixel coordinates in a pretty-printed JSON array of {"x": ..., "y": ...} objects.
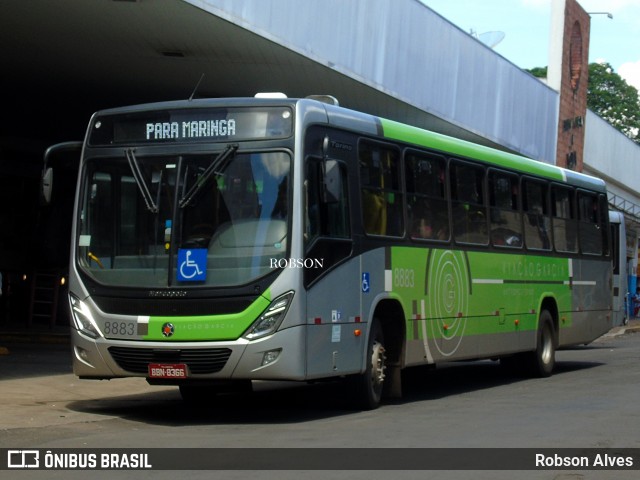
[{"x": 199, "y": 361}]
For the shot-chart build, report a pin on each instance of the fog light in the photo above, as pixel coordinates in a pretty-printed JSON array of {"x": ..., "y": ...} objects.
[
  {"x": 270, "y": 356},
  {"x": 83, "y": 356}
]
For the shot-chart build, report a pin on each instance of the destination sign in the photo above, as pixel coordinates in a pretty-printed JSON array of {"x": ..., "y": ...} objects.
[
  {"x": 192, "y": 125},
  {"x": 194, "y": 129}
]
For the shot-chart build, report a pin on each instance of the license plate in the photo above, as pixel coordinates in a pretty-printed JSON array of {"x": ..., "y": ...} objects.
[{"x": 164, "y": 370}]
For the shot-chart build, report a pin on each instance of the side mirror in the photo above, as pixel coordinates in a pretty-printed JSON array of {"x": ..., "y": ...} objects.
[
  {"x": 47, "y": 185},
  {"x": 65, "y": 157}
]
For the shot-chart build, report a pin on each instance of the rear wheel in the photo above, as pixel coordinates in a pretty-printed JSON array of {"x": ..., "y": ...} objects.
[
  {"x": 541, "y": 362},
  {"x": 368, "y": 386}
]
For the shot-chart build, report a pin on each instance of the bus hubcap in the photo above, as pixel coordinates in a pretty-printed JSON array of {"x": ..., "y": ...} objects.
[
  {"x": 547, "y": 348},
  {"x": 378, "y": 362}
]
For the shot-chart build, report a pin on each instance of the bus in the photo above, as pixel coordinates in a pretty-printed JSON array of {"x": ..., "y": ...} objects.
[
  {"x": 622, "y": 307},
  {"x": 218, "y": 242}
]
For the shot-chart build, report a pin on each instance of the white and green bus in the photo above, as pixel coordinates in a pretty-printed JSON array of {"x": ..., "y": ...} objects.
[{"x": 219, "y": 242}]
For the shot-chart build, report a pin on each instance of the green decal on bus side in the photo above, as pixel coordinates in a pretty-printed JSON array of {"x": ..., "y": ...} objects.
[
  {"x": 405, "y": 133},
  {"x": 207, "y": 327},
  {"x": 453, "y": 293}
]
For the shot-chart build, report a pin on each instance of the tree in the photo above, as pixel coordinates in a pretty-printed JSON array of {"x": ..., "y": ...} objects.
[
  {"x": 538, "y": 72},
  {"x": 614, "y": 100},
  {"x": 610, "y": 97}
]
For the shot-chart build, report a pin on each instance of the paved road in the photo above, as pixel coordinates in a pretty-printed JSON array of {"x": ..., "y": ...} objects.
[{"x": 591, "y": 401}]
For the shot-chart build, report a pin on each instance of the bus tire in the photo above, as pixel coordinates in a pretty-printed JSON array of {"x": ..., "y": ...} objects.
[
  {"x": 368, "y": 386},
  {"x": 541, "y": 362}
]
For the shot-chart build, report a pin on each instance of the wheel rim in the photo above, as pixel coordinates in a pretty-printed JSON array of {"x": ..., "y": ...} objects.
[
  {"x": 378, "y": 366},
  {"x": 547, "y": 346}
]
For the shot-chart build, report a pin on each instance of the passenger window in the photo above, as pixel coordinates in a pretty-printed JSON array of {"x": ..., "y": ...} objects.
[
  {"x": 589, "y": 225},
  {"x": 506, "y": 224},
  {"x": 467, "y": 203},
  {"x": 381, "y": 190},
  {"x": 536, "y": 215},
  {"x": 427, "y": 204},
  {"x": 564, "y": 225}
]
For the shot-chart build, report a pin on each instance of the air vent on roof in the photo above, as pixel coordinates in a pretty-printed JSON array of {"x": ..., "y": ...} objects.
[
  {"x": 270, "y": 95},
  {"x": 330, "y": 99}
]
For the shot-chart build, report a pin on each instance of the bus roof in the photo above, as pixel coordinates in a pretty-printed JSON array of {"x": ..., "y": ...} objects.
[
  {"x": 198, "y": 103},
  {"x": 463, "y": 149},
  {"x": 397, "y": 131},
  {"x": 392, "y": 130}
]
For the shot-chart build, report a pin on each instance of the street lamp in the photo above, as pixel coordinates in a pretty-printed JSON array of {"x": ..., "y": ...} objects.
[{"x": 610, "y": 15}]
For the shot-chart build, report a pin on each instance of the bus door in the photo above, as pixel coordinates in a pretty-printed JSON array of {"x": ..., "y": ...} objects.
[{"x": 331, "y": 277}]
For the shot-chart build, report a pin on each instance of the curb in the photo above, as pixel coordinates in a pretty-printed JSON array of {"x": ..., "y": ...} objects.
[{"x": 622, "y": 330}]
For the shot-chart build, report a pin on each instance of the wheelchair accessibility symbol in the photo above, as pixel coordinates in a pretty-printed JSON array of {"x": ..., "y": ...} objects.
[
  {"x": 192, "y": 264},
  {"x": 366, "y": 285}
]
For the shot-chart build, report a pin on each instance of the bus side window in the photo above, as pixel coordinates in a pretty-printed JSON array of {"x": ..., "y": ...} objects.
[
  {"x": 536, "y": 215},
  {"x": 467, "y": 201},
  {"x": 427, "y": 197},
  {"x": 589, "y": 225},
  {"x": 382, "y": 211},
  {"x": 564, "y": 226},
  {"x": 506, "y": 223}
]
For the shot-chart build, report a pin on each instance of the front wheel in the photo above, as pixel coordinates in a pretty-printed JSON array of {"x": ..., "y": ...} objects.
[
  {"x": 368, "y": 386},
  {"x": 542, "y": 360}
]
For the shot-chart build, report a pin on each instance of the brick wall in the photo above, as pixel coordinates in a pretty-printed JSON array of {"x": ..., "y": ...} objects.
[{"x": 573, "y": 89}]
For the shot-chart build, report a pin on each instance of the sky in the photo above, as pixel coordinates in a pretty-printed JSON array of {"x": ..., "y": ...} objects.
[{"x": 526, "y": 25}]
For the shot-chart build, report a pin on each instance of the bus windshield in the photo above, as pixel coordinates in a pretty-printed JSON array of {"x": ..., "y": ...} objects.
[{"x": 217, "y": 219}]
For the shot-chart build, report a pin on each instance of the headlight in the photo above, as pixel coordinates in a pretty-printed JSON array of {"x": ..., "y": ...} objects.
[
  {"x": 271, "y": 319},
  {"x": 82, "y": 318}
]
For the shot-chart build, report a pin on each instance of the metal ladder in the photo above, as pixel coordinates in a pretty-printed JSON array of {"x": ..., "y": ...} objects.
[{"x": 43, "y": 303}]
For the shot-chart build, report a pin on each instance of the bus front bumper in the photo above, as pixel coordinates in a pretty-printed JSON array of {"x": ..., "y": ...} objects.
[{"x": 280, "y": 356}]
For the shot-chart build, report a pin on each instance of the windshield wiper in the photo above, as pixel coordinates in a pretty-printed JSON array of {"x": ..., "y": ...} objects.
[
  {"x": 216, "y": 167},
  {"x": 142, "y": 184}
]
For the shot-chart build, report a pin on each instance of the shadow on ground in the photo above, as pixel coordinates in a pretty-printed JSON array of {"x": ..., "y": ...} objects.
[{"x": 282, "y": 403}]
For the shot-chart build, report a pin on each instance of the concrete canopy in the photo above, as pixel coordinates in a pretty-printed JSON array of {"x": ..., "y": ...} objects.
[{"x": 63, "y": 60}]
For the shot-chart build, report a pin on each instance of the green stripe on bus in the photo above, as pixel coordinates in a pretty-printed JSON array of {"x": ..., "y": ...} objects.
[
  {"x": 208, "y": 327},
  {"x": 424, "y": 138}
]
